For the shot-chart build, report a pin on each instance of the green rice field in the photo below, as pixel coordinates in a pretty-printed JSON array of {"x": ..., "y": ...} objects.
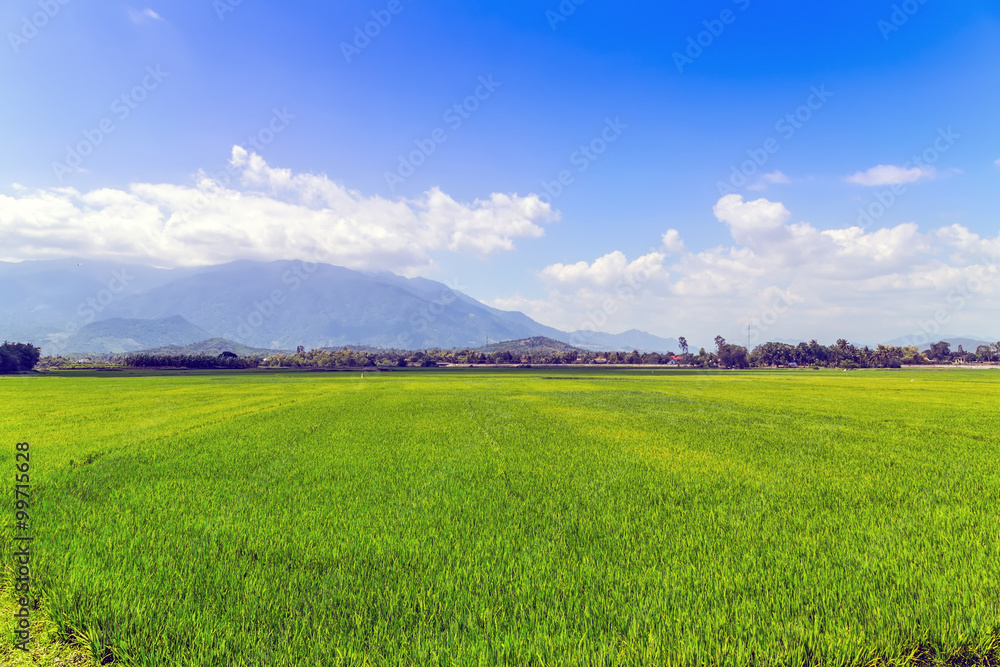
[{"x": 531, "y": 517}]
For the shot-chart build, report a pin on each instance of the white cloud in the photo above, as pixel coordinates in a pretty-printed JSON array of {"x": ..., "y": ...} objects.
[
  {"x": 773, "y": 178},
  {"x": 885, "y": 174},
  {"x": 791, "y": 278},
  {"x": 602, "y": 271},
  {"x": 606, "y": 270},
  {"x": 517, "y": 302},
  {"x": 270, "y": 214},
  {"x": 144, "y": 15},
  {"x": 750, "y": 222},
  {"x": 672, "y": 242}
]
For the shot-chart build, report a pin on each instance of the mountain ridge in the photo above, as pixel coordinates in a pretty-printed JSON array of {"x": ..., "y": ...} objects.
[{"x": 102, "y": 307}]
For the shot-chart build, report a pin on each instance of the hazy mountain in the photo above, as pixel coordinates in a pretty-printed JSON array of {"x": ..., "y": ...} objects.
[
  {"x": 213, "y": 347},
  {"x": 968, "y": 343},
  {"x": 78, "y": 305},
  {"x": 535, "y": 345},
  {"x": 51, "y": 300},
  {"x": 787, "y": 341},
  {"x": 632, "y": 339},
  {"x": 119, "y": 335},
  {"x": 84, "y": 306}
]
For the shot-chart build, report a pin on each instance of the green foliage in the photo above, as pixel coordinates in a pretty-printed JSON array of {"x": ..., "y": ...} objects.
[
  {"x": 840, "y": 355},
  {"x": 18, "y": 357},
  {"x": 542, "y": 351},
  {"x": 564, "y": 517},
  {"x": 203, "y": 361}
]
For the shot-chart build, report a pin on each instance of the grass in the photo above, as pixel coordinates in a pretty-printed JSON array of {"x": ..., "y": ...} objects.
[{"x": 541, "y": 517}]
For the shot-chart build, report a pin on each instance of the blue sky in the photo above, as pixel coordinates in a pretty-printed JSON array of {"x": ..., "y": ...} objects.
[{"x": 896, "y": 77}]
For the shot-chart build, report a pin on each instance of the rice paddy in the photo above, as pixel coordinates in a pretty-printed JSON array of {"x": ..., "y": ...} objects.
[{"x": 566, "y": 517}]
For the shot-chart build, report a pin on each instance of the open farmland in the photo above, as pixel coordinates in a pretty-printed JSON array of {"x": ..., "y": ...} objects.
[{"x": 539, "y": 517}]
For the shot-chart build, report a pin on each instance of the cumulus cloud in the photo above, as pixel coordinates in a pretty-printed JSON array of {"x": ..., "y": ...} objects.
[
  {"x": 672, "y": 242},
  {"x": 266, "y": 213},
  {"x": 750, "y": 222},
  {"x": 885, "y": 174},
  {"x": 788, "y": 278},
  {"x": 604, "y": 270}
]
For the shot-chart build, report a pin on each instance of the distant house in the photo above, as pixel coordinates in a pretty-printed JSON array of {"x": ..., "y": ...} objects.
[
  {"x": 792, "y": 364},
  {"x": 600, "y": 360},
  {"x": 672, "y": 362}
]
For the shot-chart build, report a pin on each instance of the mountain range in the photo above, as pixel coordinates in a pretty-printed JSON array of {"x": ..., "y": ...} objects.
[
  {"x": 80, "y": 306},
  {"x": 967, "y": 343}
]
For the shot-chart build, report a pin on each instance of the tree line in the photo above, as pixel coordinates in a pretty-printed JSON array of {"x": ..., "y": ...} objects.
[
  {"x": 226, "y": 360},
  {"x": 18, "y": 357},
  {"x": 845, "y": 355},
  {"x": 841, "y": 354}
]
